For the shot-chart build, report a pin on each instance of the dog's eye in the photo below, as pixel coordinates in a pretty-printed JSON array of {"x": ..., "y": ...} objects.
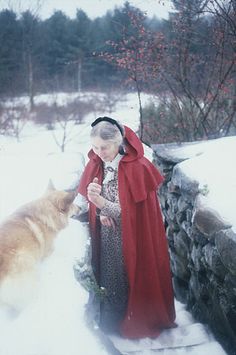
[{"x": 62, "y": 207}]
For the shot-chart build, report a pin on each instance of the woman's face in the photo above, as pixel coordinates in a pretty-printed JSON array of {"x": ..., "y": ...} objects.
[{"x": 105, "y": 149}]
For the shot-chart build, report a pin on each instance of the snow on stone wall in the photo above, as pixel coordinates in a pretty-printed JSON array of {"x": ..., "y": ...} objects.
[{"x": 202, "y": 245}]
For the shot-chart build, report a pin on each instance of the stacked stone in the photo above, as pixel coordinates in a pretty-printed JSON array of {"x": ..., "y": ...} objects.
[{"x": 202, "y": 248}]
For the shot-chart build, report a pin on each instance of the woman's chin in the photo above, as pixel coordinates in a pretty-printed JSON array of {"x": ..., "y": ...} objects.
[{"x": 107, "y": 159}]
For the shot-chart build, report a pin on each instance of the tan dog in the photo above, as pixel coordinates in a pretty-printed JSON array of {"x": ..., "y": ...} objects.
[{"x": 26, "y": 238}]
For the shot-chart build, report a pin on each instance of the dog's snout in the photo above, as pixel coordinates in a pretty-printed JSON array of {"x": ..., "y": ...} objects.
[
  {"x": 80, "y": 215},
  {"x": 74, "y": 211}
]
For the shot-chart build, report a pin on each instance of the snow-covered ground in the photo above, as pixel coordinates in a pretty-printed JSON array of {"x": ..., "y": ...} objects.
[{"x": 53, "y": 323}]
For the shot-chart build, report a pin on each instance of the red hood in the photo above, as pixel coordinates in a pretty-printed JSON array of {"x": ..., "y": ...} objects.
[
  {"x": 144, "y": 182},
  {"x": 134, "y": 147}
]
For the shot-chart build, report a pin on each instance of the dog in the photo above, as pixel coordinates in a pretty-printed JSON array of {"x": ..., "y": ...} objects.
[{"x": 26, "y": 239}]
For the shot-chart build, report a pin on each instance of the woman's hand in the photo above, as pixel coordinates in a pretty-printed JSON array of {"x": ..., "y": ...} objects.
[
  {"x": 94, "y": 191},
  {"x": 107, "y": 221}
]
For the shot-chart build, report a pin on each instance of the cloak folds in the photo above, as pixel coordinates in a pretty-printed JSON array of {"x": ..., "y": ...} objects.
[{"x": 150, "y": 302}]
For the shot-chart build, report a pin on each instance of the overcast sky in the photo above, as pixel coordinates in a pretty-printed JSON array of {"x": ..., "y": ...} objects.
[{"x": 93, "y": 8}]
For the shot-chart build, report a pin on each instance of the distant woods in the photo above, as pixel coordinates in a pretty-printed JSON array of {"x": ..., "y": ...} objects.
[
  {"x": 188, "y": 63},
  {"x": 59, "y": 53}
]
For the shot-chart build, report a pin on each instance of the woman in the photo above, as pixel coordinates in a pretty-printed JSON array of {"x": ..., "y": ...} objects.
[{"x": 129, "y": 248}]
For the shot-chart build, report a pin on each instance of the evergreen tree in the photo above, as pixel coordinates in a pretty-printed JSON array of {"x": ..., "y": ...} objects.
[
  {"x": 10, "y": 50},
  {"x": 57, "y": 49},
  {"x": 30, "y": 36},
  {"x": 80, "y": 49}
]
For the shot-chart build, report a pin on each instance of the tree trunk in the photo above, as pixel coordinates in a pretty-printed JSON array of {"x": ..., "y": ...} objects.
[
  {"x": 141, "y": 123},
  {"x": 31, "y": 81},
  {"x": 79, "y": 75}
]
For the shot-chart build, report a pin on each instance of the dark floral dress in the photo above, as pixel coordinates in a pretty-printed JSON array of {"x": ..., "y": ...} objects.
[{"x": 112, "y": 272}]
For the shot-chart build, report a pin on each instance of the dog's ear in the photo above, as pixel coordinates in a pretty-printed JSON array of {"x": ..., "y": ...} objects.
[
  {"x": 67, "y": 201},
  {"x": 69, "y": 198},
  {"x": 50, "y": 187}
]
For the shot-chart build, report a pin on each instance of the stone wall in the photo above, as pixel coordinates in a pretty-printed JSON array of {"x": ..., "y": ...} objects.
[{"x": 202, "y": 248}]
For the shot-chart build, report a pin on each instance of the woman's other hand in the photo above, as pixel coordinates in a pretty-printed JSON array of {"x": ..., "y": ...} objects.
[{"x": 107, "y": 221}]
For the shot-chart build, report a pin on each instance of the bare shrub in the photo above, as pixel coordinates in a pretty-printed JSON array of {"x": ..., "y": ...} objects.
[
  {"x": 12, "y": 120},
  {"x": 44, "y": 114}
]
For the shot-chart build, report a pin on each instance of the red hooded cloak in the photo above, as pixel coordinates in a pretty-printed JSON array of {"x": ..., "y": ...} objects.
[{"x": 150, "y": 302}]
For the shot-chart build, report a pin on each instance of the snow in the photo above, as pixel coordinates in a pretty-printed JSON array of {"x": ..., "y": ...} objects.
[
  {"x": 215, "y": 170},
  {"x": 53, "y": 322}
]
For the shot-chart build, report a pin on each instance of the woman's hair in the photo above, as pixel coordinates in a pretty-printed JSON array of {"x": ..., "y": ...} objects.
[{"x": 107, "y": 131}]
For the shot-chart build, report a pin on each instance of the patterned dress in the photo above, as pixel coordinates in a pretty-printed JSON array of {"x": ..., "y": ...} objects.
[{"x": 112, "y": 273}]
